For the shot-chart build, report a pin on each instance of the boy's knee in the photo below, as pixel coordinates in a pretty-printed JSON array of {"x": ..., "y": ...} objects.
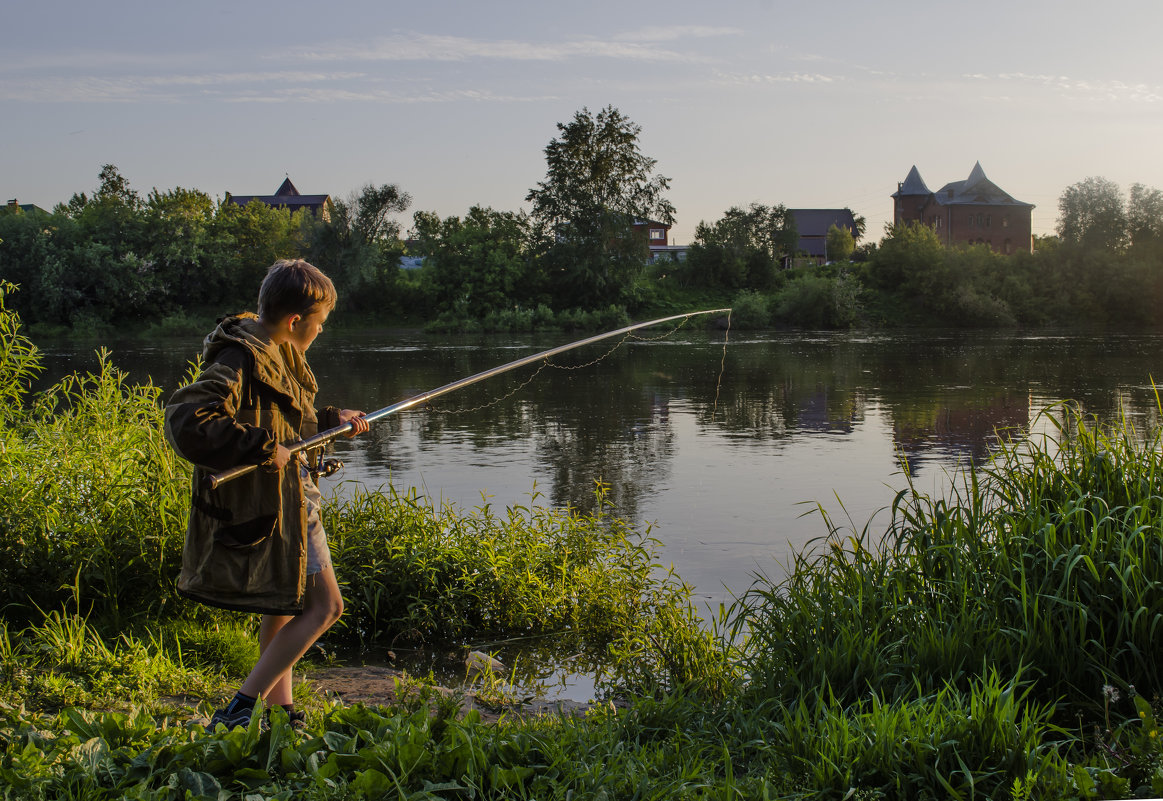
[{"x": 329, "y": 611}]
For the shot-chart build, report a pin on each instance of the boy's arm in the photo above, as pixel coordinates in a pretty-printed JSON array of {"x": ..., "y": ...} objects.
[{"x": 200, "y": 419}]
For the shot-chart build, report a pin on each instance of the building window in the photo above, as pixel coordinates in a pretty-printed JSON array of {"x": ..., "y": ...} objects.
[
  {"x": 988, "y": 220},
  {"x": 1005, "y": 221},
  {"x": 979, "y": 221},
  {"x": 970, "y": 220},
  {"x": 1007, "y": 247},
  {"x": 657, "y": 234}
]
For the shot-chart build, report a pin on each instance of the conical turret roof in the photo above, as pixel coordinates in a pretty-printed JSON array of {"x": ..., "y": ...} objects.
[{"x": 913, "y": 184}]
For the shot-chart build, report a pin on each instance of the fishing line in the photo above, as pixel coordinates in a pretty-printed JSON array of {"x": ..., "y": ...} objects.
[
  {"x": 437, "y": 410},
  {"x": 722, "y": 366},
  {"x": 547, "y": 363},
  {"x": 215, "y": 480}
]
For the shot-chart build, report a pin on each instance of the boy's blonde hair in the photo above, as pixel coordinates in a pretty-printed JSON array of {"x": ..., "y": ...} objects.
[{"x": 294, "y": 286}]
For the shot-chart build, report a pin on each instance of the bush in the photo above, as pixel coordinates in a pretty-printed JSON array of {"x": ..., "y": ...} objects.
[
  {"x": 817, "y": 301},
  {"x": 749, "y": 310}
]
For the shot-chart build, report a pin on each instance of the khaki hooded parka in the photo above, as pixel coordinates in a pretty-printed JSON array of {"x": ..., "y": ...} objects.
[{"x": 246, "y": 542}]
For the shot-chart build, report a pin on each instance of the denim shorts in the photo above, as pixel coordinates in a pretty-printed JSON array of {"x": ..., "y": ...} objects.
[{"x": 318, "y": 552}]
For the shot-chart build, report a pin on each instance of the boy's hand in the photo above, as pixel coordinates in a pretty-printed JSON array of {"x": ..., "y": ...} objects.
[
  {"x": 282, "y": 456},
  {"x": 358, "y": 424}
]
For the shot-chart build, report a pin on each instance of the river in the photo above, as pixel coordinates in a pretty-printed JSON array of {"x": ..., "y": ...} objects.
[{"x": 724, "y": 451}]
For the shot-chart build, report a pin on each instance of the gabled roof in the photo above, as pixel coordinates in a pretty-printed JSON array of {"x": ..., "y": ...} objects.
[
  {"x": 976, "y": 190},
  {"x": 286, "y": 196},
  {"x": 913, "y": 184},
  {"x": 816, "y": 222},
  {"x": 287, "y": 189}
]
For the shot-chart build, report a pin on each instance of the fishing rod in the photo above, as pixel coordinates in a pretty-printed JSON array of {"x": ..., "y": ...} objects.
[{"x": 323, "y": 437}]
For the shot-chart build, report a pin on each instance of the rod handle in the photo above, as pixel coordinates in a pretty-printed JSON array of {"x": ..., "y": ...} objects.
[{"x": 215, "y": 480}]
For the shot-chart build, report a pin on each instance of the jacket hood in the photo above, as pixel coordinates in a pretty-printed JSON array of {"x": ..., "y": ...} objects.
[{"x": 273, "y": 364}]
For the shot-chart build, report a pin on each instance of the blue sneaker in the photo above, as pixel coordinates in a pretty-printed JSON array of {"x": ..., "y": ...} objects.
[{"x": 230, "y": 719}]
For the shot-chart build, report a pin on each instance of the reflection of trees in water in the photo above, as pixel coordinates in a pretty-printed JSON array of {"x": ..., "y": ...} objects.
[
  {"x": 941, "y": 393},
  {"x": 577, "y": 456},
  {"x": 967, "y": 427},
  {"x": 772, "y": 391}
]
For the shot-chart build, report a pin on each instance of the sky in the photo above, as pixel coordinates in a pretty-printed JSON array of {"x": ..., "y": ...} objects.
[{"x": 812, "y": 105}]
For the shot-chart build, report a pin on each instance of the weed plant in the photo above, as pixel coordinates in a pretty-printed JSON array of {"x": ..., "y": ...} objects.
[
  {"x": 1042, "y": 571},
  {"x": 409, "y": 567},
  {"x": 91, "y": 497},
  {"x": 1047, "y": 564}
]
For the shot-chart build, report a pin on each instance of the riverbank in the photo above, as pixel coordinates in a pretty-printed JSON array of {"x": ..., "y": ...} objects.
[{"x": 997, "y": 640}]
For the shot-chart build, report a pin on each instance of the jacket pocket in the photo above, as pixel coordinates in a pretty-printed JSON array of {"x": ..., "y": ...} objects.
[{"x": 248, "y": 534}]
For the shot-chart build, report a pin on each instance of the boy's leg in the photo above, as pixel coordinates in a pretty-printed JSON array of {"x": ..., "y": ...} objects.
[
  {"x": 280, "y": 693},
  {"x": 322, "y": 606}
]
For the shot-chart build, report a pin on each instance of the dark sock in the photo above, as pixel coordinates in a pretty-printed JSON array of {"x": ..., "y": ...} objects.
[
  {"x": 289, "y": 709},
  {"x": 240, "y": 702}
]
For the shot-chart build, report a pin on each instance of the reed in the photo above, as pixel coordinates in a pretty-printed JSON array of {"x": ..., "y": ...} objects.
[{"x": 1046, "y": 564}]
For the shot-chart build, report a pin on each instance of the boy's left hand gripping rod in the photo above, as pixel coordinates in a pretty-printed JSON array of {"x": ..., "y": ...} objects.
[{"x": 323, "y": 437}]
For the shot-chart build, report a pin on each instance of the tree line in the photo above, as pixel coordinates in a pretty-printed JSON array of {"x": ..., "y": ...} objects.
[
  {"x": 117, "y": 258},
  {"x": 577, "y": 258}
]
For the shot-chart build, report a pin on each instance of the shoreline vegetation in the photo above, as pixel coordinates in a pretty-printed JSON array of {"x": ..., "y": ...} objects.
[
  {"x": 114, "y": 263},
  {"x": 1000, "y": 643}
]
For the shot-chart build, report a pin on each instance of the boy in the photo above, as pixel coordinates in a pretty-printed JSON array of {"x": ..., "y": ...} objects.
[{"x": 256, "y": 544}]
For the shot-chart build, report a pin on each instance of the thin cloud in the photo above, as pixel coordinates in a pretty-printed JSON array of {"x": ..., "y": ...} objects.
[
  {"x": 1092, "y": 90},
  {"x": 675, "y": 32},
  {"x": 320, "y": 95},
  {"x": 425, "y": 47},
  {"x": 761, "y": 79},
  {"x": 152, "y": 88}
]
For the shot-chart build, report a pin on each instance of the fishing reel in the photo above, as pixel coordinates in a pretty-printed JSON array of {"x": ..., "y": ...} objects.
[{"x": 328, "y": 467}]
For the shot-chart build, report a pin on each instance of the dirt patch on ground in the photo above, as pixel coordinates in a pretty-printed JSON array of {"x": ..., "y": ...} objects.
[{"x": 376, "y": 685}]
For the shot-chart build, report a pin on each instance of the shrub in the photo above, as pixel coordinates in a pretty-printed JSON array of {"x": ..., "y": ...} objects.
[{"x": 749, "y": 310}]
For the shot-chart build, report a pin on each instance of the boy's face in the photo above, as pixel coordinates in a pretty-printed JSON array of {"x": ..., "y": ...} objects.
[{"x": 304, "y": 329}]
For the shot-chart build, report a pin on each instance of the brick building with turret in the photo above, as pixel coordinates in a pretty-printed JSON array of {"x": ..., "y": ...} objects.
[{"x": 975, "y": 211}]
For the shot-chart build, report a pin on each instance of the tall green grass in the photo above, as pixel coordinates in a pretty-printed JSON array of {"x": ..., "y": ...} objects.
[{"x": 1046, "y": 564}]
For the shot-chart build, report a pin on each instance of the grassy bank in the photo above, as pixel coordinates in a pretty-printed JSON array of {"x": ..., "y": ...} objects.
[{"x": 998, "y": 642}]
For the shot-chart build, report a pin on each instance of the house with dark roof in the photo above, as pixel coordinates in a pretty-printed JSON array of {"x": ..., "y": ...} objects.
[
  {"x": 812, "y": 227},
  {"x": 975, "y": 211},
  {"x": 24, "y": 208},
  {"x": 288, "y": 197}
]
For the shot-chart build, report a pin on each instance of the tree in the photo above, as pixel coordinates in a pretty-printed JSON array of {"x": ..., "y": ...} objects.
[
  {"x": 598, "y": 183},
  {"x": 1092, "y": 215},
  {"x": 177, "y": 234},
  {"x": 360, "y": 246},
  {"x": 1145, "y": 217},
  {"x": 910, "y": 259},
  {"x": 839, "y": 242},
  {"x": 477, "y": 264},
  {"x": 743, "y": 247}
]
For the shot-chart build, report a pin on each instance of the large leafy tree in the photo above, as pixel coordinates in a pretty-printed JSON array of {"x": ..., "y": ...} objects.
[
  {"x": 1145, "y": 218},
  {"x": 598, "y": 183},
  {"x": 182, "y": 250},
  {"x": 743, "y": 247},
  {"x": 477, "y": 264},
  {"x": 1092, "y": 215},
  {"x": 360, "y": 246}
]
